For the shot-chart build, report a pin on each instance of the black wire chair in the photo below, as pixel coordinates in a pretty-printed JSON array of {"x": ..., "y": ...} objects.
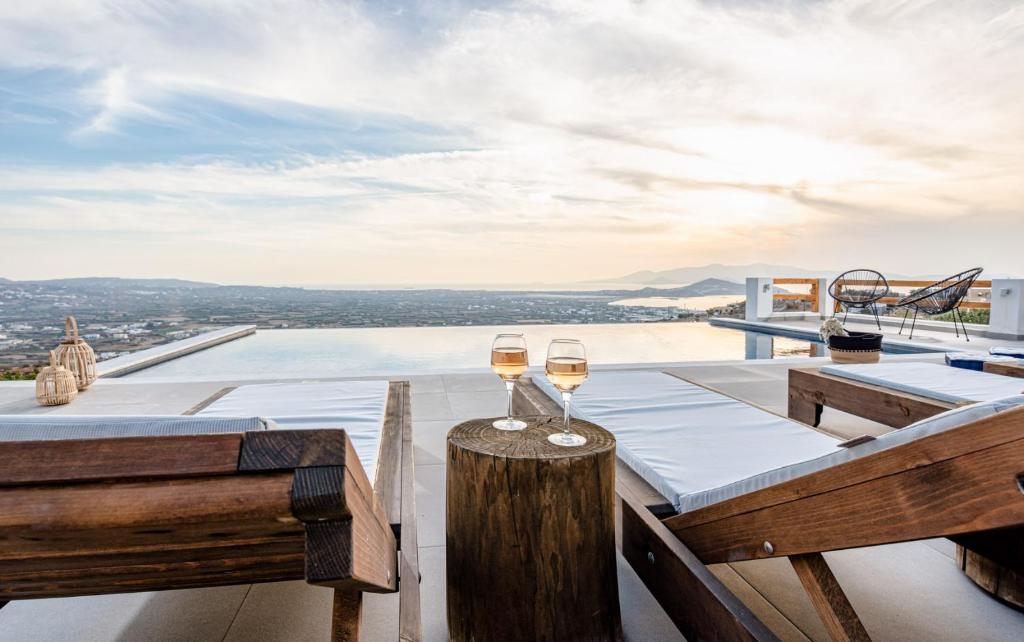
[
  {"x": 939, "y": 298},
  {"x": 859, "y": 289}
]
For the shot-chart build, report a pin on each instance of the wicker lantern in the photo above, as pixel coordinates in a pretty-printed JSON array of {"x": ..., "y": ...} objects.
[
  {"x": 75, "y": 354},
  {"x": 55, "y": 385}
]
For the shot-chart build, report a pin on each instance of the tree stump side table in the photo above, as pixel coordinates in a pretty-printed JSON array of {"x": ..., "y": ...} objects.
[{"x": 531, "y": 534}]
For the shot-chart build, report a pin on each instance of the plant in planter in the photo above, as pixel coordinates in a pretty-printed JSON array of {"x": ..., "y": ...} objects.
[{"x": 850, "y": 347}]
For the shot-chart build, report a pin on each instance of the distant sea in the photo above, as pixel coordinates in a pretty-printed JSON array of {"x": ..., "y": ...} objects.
[
  {"x": 684, "y": 303},
  {"x": 589, "y": 286}
]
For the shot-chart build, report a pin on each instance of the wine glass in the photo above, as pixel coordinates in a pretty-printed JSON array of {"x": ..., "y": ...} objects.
[
  {"x": 566, "y": 368},
  {"x": 509, "y": 361}
]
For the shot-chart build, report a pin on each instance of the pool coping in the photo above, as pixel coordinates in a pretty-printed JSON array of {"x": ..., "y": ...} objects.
[
  {"x": 900, "y": 346},
  {"x": 129, "y": 363}
]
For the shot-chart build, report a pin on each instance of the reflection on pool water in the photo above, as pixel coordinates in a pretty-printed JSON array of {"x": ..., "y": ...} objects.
[{"x": 348, "y": 351}]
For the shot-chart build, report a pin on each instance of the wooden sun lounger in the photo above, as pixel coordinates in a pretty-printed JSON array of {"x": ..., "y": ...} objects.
[
  {"x": 811, "y": 390},
  {"x": 963, "y": 483},
  {"x": 115, "y": 515}
]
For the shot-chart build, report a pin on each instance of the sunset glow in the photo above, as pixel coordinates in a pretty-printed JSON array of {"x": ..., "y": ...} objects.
[{"x": 344, "y": 143}]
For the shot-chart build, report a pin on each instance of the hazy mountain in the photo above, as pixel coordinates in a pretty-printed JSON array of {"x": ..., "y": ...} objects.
[
  {"x": 705, "y": 287},
  {"x": 734, "y": 273},
  {"x": 104, "y": 282}
]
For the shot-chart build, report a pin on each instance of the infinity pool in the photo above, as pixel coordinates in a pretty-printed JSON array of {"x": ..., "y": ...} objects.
[{"x": 351, "y": 351}]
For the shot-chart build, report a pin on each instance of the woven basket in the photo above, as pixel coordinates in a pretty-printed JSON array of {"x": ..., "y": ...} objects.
[
  {"x": 854, "y": 356},
  {"x": 55, "y": 385},
  {"x": 855, "y": 347},
  {"x": 75, "y": 354}
]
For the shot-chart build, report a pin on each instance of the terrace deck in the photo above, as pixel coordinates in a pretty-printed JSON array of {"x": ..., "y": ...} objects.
[{"x": 904, "y": 591}]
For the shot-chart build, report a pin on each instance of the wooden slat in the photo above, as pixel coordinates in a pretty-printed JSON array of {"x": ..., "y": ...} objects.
[
  {"x": 350, "y": 543},
  {"x": 910, "y": 283},
  {"x": 795, "y": 281},
  {"x": 1006, "y": 369},
  {"x": 960, "y": 481},
  {"x": 37, "y": 462},
  {"x": 700, "y": 606},
  {"x": 809, "y": 388},
  {"x": 388, "y": 481},
  {"x": 158, "y": 504},
  {"x": 290, "y": 449},
  {"x": 828, "y": 598},
  {"x": 410, "y": 627},
  {"x": 967, "y": 305},
  {"x": 346, "y": 615},
  {"x": 790, "y": 296},
  {"x": 209, "y": 400}
]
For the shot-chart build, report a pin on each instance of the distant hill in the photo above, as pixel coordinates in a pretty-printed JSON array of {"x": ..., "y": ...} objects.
[
  {"x": 716, "y": 271},
  {"x": 105, "y": 282},
  {"x": 705, "y": 287}
]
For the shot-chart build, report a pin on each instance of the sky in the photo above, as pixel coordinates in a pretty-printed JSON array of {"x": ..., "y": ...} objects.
[{"x": 321, "y": 142}]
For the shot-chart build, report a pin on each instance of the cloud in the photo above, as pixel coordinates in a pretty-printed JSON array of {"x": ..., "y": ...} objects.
[{"x": 731, "y": 131}]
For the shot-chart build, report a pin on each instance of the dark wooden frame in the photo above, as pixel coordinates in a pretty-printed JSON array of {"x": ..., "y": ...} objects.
[
  {"x": 965, "y": 484},
  {"x": 811, "y": 390},
  {"x": 153, "y": 513}
]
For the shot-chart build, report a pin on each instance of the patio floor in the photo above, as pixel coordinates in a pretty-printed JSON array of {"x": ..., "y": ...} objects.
[{"x": 910, "y": 591}]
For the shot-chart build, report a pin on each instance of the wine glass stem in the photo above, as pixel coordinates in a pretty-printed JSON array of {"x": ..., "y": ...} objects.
[
  {"x": 566, "y": 398},
  {"x": 509, "y": 385}
]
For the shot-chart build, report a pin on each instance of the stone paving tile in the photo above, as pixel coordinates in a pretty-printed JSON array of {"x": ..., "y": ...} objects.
[
  {"x": 430, "y": 505},
  {"x": 433, "y": 598},
  {"x": 430, "y": 440},
  {"x": 478, "y": 404},
  {"x": 430, "y": 406},
  {"x": 485, "y": 382},
  {"x": 194, "y": 614}
]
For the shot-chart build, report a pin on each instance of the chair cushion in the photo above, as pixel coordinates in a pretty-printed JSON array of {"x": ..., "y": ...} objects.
[
  {"x": 358, "y": 407},
  {"x": 686, "y": 440},
  {"x": 1007, "y": 351},
  {"x": 931, "y": 380},
  {"x": 699, "y": 447},
  {"x": 931, "y": 426},
  {"x": 975, "y": 360},
  {"x": 50, "y": 427}
]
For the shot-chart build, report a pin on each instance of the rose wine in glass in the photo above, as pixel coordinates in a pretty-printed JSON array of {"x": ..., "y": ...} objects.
[
  {"x": 566, "y": 368},
  {"x": 509, "y": 361}
]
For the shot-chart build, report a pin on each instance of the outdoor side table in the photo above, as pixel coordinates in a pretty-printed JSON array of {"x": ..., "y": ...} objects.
[{"x": 531, "y": 534}]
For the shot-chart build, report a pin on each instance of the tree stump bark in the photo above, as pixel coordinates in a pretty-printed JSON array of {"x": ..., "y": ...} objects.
[
  {"x": 531, "y": 534},
  {"x": 991, "y": 577}
]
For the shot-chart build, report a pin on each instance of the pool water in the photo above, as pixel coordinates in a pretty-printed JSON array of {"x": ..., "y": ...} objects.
[{"x": 355, "y": 351}]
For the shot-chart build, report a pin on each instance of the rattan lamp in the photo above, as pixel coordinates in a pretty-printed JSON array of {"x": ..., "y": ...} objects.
[
  {"x": 55, "y": 385},
  {"x": 76, "y": 355}
]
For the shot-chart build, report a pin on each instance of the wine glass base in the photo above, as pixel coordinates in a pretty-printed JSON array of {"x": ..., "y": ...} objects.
[
  {"x": 563, "y": 439},
  {"x": 509, "y": 424}
]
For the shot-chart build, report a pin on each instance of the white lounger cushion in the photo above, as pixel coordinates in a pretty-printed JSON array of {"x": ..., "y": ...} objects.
[
  {"x": 932, "y": 380},
  {"x": 698, "y": 447},
  {"x": 1007, "y": 351},
  {"x": 357, "y": 406},
  {"x": 931, "y": 426},
  {"x": 686, "y": 440}
]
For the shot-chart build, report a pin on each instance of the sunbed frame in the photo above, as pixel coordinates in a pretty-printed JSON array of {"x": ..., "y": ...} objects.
[
  {"x": 97, "y": 516},
  {"x": 1005, "y": 369},
  {"x": 811, "y": 390},
  {"x": 964, "y": 484}
]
